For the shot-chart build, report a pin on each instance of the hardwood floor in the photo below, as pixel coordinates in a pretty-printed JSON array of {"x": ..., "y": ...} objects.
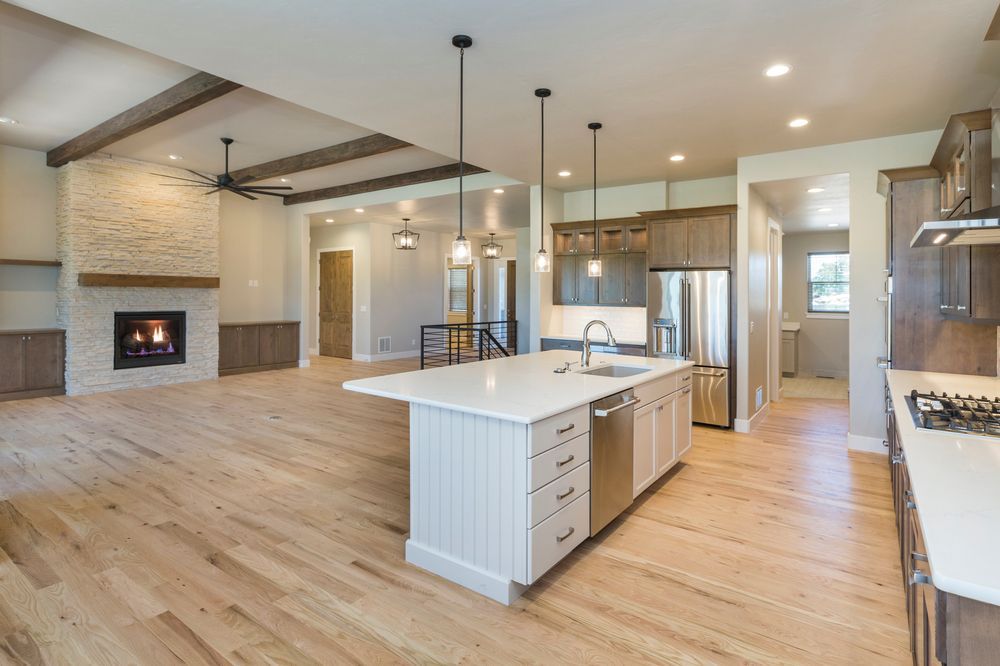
[{"x": 261, "y": 519}]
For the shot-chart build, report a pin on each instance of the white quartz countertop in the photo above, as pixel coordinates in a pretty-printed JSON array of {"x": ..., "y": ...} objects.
[
  {"x": 520, "y": 388},
  {"x": 791, "y": 326},
  {"x": 956, "y": 487},
  {"x": 597, "y": 339}
]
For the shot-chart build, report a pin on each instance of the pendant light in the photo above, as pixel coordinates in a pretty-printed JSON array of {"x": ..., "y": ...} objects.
[
  {"x": 461, "y": 248},
  {"x": 406, "y": 239},
  {"x": 594, "y": 265},
  {"x": 542, "y": 262},
  {"x": 492, "y": 249}
]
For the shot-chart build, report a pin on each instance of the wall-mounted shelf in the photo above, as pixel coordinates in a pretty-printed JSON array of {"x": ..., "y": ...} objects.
[
  {"x": 29, "y": 262},
  {"x": 163, "y": 281}
]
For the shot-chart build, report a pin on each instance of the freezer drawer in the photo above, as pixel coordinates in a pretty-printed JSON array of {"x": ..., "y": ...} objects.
[{"x": 710, "y": 396}]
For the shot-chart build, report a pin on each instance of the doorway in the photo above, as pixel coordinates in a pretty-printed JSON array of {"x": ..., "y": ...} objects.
[{"x": 336, "y": 303}]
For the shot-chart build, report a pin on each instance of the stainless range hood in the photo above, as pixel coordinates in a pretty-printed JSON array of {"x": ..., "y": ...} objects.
[{"x": 979, "y": 228}]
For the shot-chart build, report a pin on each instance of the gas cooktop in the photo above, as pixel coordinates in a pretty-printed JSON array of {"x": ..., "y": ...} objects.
[{"x": 955, "y": 414}]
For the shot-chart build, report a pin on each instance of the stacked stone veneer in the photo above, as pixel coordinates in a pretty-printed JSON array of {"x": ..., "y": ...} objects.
[{"x": 115, "y": 216}]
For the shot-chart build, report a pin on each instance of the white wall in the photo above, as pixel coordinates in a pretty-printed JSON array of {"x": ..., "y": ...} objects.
[
  {"x": 619, "y": 201},
  {"x": 252, "y": 240},
  {"x": 526, "y": 313},
  {"x": 540, "y": 295},
  {"x": 27, "y": 231},
  {"x": 823, "y": 348},
  {"x": 862, "y": 160},
  {"x": 705, "y": 192}
]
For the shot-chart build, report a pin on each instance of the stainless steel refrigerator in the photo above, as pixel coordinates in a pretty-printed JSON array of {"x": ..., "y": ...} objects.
[{"x": 688, "y": 318}]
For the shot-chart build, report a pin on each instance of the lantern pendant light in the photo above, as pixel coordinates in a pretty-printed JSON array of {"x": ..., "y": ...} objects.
[
  {"x": 461, "y": 248},
  {"x": 594, "y": 265},
  {"x": 542, "y": 262},
  {"x": 405, "y": 239},
  {"x": 492, "y": 249}
]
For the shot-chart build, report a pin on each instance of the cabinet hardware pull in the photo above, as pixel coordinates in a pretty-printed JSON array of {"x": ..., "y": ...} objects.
[
  {"x": 919, "y": 578},
  {"x": 920, "y": 557},
  {"x": 910, "y": 505},
  {"x": 560, "y": 431},
  {"x": 685, "y": 379},
  {"x": 960, "y": 307},
  {"x": 569, "y": 533},
  {"x": 897, "y": 460},
  {"x": 687, "y": 390},
  {"x": 566, "y": 494},
  {"x": 569, "y": 459}
]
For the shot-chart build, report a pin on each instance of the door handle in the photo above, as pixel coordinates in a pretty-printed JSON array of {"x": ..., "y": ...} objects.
[{"x": 605, "y": 412}]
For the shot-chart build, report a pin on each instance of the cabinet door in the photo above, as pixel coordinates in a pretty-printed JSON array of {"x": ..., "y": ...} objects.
[
  {"x": 229, "y": 347},
  {"x": 682, "y": 422},
  {"x": 985, "y": 278},
  {"x": 962, "y": 275},
  {"x": 586, "y": 286},
  {"x": 613, "y": 279},
  {"x": 708, "y": 242},
  {"x": 635, "y": 279},
  {"x": 11, "y": 363},
  {"x": 249, "y": 346},
  {"x": 644, "y": 448},
  {"x": 564, "y": 242},
  {"x": 563, "y": 280},
  {"x": 268, "y": 338},
  {"x": 288, "y": 343},
  {"x": 668, "y": 243},
  {"x": 43, "y": 353},
  {"x": 666, "y": 454}
]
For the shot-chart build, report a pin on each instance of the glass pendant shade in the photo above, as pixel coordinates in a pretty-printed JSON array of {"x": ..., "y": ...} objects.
[
  {"x": 542, "y": 262},
  {"x": 405, "y": 239},
  {"x": 461, "y": 251},
  {"x": 492, "y": 250},
  {"x": 594, "y": 267}
]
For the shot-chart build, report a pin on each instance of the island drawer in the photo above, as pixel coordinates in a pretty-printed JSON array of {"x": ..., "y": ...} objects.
[
  {"x": 559, "y": 493},
  {"x": 658, "y": 388},
  {"x": 558, "y": 461},
  {"x": 557, "y": 429},
  {"x": 556, "y": 536}
]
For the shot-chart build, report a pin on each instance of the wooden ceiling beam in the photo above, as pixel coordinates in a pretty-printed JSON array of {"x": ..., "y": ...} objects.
[
  {"x": 366, "y": 146},
  {"x": 186, "y": 95},
  {"x": 384, "y": 183}
]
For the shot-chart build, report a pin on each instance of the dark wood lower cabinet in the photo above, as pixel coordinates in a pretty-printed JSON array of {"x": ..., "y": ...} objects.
[
  {"x": 32, "y": 363},
  {"x": 256, "y": 346}
]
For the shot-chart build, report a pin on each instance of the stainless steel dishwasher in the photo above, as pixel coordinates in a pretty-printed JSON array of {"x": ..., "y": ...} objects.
[{"x": 610, "y": 457}]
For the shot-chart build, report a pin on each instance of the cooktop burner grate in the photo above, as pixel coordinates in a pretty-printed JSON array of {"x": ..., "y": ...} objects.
[{"x": 956, "y": 414}]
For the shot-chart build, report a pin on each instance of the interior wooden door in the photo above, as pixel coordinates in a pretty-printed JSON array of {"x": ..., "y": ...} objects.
[
  {"x": 511, "y": 290},
  {"x": 336, "y": 303}
]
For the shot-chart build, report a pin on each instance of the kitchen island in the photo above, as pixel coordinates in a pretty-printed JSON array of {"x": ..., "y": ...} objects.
[{"x": 500, "y": 457}]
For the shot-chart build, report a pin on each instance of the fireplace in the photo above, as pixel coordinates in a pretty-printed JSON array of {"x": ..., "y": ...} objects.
[{"x": 149, "y": 338}]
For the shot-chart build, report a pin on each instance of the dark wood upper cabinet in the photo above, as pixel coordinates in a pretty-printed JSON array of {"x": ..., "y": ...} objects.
[
  {"x": 668, "y": 243},
  {"x": 691, "y": 238},
  {"x": 613, "y": 279},
  {"x": 635, "y": 279},
  {"x": 621, "y": 246},
  {"x": 708, "y": 241},
  {"x": 563, "y": 280},
  {"x": 586, "y": 286}
]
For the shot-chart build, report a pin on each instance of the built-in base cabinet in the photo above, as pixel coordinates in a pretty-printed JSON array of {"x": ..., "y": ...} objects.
[
  {"x": 251, "y": 347},
  {"x": 662, "y": 429},
  {"x": 32, "y": 363}
]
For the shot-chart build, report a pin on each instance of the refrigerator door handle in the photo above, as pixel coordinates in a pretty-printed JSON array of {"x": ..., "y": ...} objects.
[{"x": 687, "y": 319}]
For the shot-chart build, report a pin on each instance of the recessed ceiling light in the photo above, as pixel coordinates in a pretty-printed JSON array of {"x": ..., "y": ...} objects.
[
  {"x": 833, "y": 224},
  {"x": 284, "y": 180},
  {"x": 329, "y": 220},
  {"x": 815, "y": 190},
  {"x": 823, "y": 210},
  {"x": 175, "y": 157},
  {"x": 777, "y": 69},
  {"x": 798, "y": 122},
  {"x": 677, "y": 158},
  {"x": 359, "y": 210},
  {"x": 4, "y": 120},
  {"x": 498, "y": 190},
  {"x": 564, "y": 174}
]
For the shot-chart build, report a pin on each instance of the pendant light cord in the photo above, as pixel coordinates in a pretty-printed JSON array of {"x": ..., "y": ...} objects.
[
  {"x": 461, "y": 139},
  {"x": 597, "y": 238},
  {"x": 541, "y": 194}
]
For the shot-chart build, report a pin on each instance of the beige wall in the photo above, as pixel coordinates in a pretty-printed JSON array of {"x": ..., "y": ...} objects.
[
  {"x": 619, "y": 201},
  {"x": 756, "y": 280},
  {"x": 27, "y": 231},
  {"x": 705, "y": 192},
  {"x": 252, "y": 243},
  {"x": 823, "y": 348}
]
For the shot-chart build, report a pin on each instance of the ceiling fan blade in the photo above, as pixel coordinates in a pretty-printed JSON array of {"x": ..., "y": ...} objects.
[
  {"x": 214, "y": 190},
  {"x": 242, "y": 194},
  {"x": 264, "y": 187},
  {"x": 270, "y": 194},
  {"x": 189, "y": 180},
  {"x": 184, "y": 185},
  {"x": 211, "y": 179}
]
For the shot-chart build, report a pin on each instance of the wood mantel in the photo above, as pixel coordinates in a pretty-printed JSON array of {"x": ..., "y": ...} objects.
[{"x": 164, "y": 281}]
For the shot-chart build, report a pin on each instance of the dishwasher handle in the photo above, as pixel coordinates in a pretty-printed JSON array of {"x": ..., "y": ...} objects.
[{"x": 606, "y": 412}]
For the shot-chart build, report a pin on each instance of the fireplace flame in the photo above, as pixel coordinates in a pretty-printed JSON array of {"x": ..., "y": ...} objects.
[
  {"x": 158, "y": 334},
  {"x": 137, "y": 336}
]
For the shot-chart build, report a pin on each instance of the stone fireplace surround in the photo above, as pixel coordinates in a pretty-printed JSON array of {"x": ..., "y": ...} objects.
[{"x": 115, "y": 216}]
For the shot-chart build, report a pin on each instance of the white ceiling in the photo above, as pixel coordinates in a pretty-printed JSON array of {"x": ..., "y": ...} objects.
[
  {"x": 663, "y": 77},
  {"x": 485, "y": 211},
  {"x": 802, "y": 211}
]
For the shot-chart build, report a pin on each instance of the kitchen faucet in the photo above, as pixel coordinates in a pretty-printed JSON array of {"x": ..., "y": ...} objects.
[{"x": 585, "y": 354}]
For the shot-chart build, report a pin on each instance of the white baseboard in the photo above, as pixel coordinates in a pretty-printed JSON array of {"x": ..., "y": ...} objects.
[
  {"x": 393, "y": 356},
  {"x": 478, "y": 580},
  {"x": 746, "y": 425},
  {"x": 865, "y": 443},
  {"x": 304, "y": 363}
]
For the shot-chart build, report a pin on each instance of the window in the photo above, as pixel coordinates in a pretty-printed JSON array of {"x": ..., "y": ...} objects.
[
  {"x": 829, "y": 277},
  {"x": 458, "y": 286}
]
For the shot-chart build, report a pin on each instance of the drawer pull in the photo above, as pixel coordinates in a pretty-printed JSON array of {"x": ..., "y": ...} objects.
[
  {"x": 919, "y": 577},
  {"x": 569, "y": 459},
  {"x": 562, "y": 431},
  {"x": 910, "y": 505},
  {"x": 562, "y": 537},
  {"x": 684, "y": 379},
  {"x": 919, "y": 557},
  {"x": 566, "y": 494},
  {"x": 687, "y": 390}
]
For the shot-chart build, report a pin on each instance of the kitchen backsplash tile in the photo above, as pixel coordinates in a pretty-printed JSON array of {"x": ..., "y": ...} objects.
[{"x": 626, "y": 323}]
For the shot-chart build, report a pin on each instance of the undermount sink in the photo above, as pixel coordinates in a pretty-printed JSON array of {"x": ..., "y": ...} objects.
[{"x": 614, "y": 371}]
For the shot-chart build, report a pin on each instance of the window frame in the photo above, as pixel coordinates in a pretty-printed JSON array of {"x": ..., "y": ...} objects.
[{"x": 810, "y": 311}]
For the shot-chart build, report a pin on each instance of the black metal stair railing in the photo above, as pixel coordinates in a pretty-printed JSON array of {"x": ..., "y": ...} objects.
[{"x": 450, "y": 344}]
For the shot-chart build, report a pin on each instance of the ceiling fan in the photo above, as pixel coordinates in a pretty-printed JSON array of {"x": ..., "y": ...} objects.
[{"x": 226, "y": 182}]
